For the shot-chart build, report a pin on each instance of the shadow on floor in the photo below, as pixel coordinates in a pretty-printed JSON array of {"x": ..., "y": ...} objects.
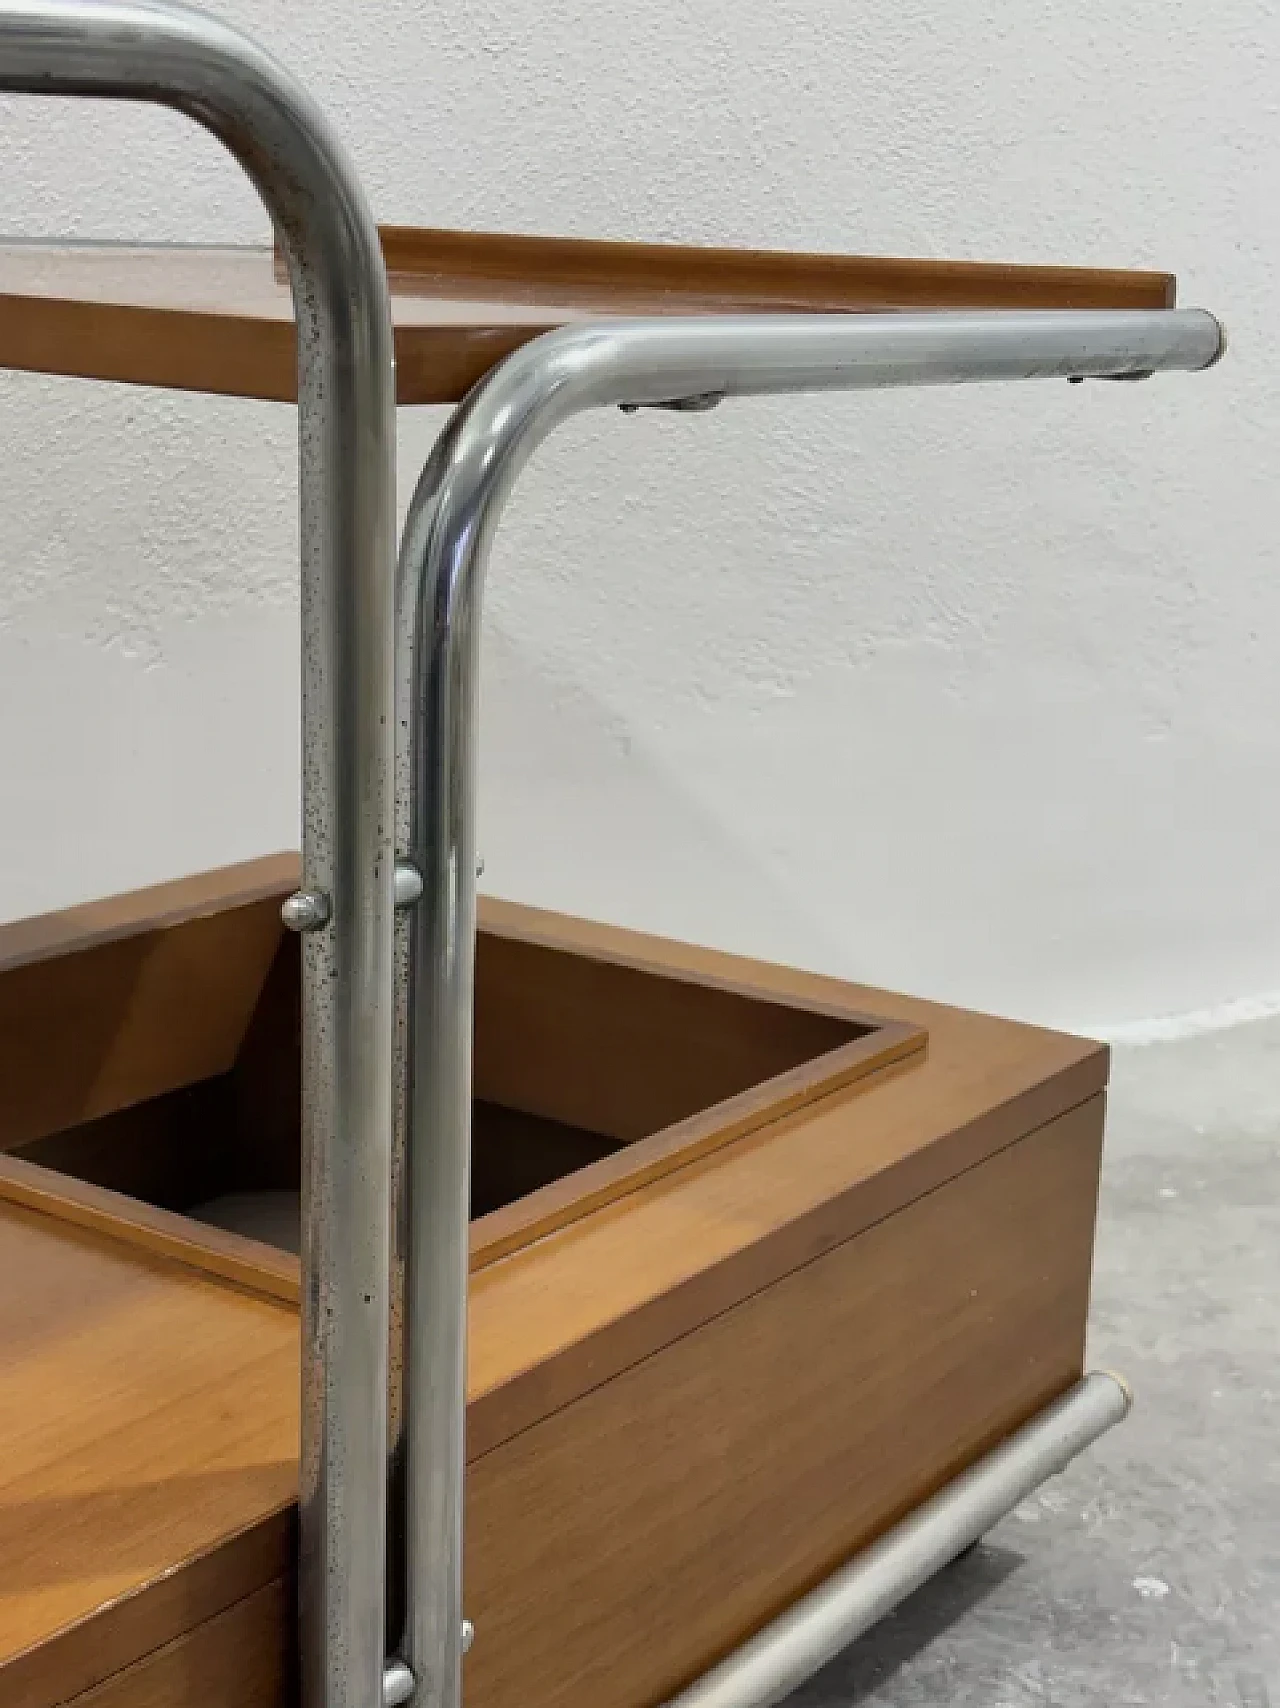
[{"x": 863, "y": 1671}]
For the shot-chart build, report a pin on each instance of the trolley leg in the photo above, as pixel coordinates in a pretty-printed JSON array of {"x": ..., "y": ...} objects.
[
  {"x": 149, "y": 51},
  {"x": 455, "y": 511}
]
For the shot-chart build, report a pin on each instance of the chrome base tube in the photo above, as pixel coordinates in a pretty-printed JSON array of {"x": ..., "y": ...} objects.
[
  {"x": 459, "y": 499},
  {"x": 183, "y": 59},
  {"x": 781, "y": 1657}
]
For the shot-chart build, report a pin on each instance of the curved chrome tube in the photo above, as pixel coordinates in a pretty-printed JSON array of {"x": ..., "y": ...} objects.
[
  {"x": 444, "y": 550},
  {"x": 183, "y": 59}
]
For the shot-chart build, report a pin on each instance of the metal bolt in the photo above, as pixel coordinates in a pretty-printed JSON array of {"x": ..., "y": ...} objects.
[
  {"x": 408, "y": 883},
  {"x": 306, "y": 910},
  {"x": 397, "y": 1684}
]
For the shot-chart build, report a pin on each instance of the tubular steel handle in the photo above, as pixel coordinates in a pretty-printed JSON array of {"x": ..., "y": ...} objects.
[
  {"x": 183, "y": 59},
  {"x": 674, "y": 363}
]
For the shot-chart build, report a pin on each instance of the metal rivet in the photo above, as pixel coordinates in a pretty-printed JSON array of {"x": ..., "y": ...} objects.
[
  {"x": 306, "y": 910},
  {"x": 408, "y": 883},
  {"x": 397, "y": 1684},
  {"x": 479, "y": 866},
  {"x": 468, "y": 1635}
]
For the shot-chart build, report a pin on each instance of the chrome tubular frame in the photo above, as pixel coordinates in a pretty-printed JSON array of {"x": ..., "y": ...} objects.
[
  {"x": 690, "y": 364},
  {"x": 182, "y": 59},
  {"x": 384, "y": 652}
]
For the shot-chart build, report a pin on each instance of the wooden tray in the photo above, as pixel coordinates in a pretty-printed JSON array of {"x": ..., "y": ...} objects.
[
  {"x": 760, "y": 1261},
  {"x": 221, "y": 320}
]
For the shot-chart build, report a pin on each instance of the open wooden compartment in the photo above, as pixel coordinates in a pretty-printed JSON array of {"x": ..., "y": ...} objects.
[
  {"x": 153, "y": 1052},
  {"x": 755, "y": 1272}
]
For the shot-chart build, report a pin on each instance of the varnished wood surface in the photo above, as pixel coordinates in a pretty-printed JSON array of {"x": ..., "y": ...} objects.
[
  {"x": 662, "y": 1070},
  {"x": 621, "y": 1546},
  {"x": 571, "y": 1312},
  {"x": 221, "y": 320},
  {"x": 596, "y": 1296},
  {"x": 92, "y": 924},
  {"x": 137, "y": 1017},
  {"x": 653, "y": 278},
  {"x": 645, "y": 1051},
  {"x": 128, "y": 1221},
  {"x": 244, "y": 1657},
  {"x": 148, "y": 1416},
  {"x": 671, "y": 1069},
  {"x": 591, "y": 1187},
  {"x": 116, "y": 1002},
  {"x": 165, "y": 1498}
]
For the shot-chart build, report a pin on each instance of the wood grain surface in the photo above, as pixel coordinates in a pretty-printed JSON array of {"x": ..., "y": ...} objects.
[
  {"x": 666, "y": 278},
  {"x": 623, "y": 1545},
  {"x": 148, "y": 1411},
  {"x": 242, "y": 1658},
  {"x": 221, "y": 320},
  {"x": 627, "y": 1071},
  {"x": 149, "y": 1422}
]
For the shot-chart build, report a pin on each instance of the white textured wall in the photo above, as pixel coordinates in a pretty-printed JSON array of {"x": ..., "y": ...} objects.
[{"x": 973, "y": 693}]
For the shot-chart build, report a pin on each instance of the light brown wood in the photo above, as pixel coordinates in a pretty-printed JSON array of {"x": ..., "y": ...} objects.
[
  {"x": 571, "y": 1312},
  {"x": 118, "y": 1015},
  {"x": 668, "y": 1069},
  {"x": 620, "y": 1547},
  {"x": 667, "y": 278},
  {"x": 219, "y": 320},
  {"x": 91, "y": 924},
  {"x": 243, "y": 1658},
  {"x": 148, "y": 1416},
  {"x": 624, "y": 1073},
  {"x": 130, "y": 1518},
  {"x": 246, "y": 1262},
  {"x": 595, "y": 1184},
  {"x": 647, "y": 1051}
]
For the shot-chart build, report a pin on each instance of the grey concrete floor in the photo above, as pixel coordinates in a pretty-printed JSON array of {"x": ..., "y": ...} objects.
[{"x": 1150, "y": 1572}]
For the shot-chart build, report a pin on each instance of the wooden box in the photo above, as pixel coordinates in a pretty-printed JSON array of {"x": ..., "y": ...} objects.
[{"x": 759, "y": 1261}]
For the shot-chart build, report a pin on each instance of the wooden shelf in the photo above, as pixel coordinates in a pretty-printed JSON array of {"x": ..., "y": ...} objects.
[{"x": 221, "y": 320}]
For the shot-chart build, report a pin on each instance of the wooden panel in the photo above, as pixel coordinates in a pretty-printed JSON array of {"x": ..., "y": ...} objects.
[
  {"x": 605, "y": 1046},
  {"x": 568, "y": 1314},
  {"x": 126, "y": 1018},
  {"x": 669, "y": 278},
  {"x": 661, "y": 1070},
  {"x": 170, "y": 1151},
  {"x": 126, "y": 1521},
  {"x": 243, "y": 1658},
  {"x": 625, "y": 1170},
  {"x": 704, "y": 1490},
  {"x": 514, "y": 1155},
  {"x": 147, "y": 1415},
  {"x": 591, "y": 1299},
  {"x": 93, "y": 923},
  {"x": 266, "y": 1082},
  {"x": 246, "y": 1262},
  {"x": 222, "y": 320}
]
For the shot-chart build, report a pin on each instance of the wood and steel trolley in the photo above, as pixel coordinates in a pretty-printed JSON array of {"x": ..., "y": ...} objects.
[{"x": 730, "y": 1303}]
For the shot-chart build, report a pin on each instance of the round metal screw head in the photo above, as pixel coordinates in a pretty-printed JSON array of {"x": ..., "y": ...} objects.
[
  {"x": 408, "y": 883},
  {"x": 306, "y": 910}
]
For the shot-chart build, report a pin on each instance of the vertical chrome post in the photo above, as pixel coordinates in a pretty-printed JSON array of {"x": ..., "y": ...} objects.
[
  {"x": 443, "y": 554},
  {"x": 183, "y": 59}
]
